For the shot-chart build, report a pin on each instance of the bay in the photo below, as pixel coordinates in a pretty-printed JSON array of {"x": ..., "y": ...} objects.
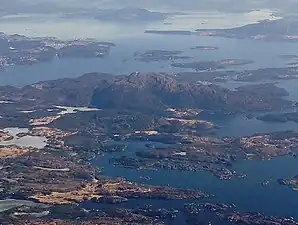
[{"x": 247, "y": 194}]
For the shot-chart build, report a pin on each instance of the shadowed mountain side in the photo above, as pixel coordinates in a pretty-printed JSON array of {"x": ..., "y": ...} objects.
[
  {"x": 143, "y": 92},
  {"x": 66, "y": 91},
  {"x": 157, "y": 92}
]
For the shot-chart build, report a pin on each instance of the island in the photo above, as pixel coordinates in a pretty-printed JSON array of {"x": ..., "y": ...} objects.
[
  {"x": 204, "y": 48},
  {"x": 290, "y": 57},
  {"x": 264, "y": 75},
  {"x": 52, "y": 133},
  {"x": 215, "y": 155},
  {"x": 290, "y": 182},
  {"x": 265, "y": 89},
  {"x": 280, "y": 117},
  {"x": 169, "y": 32},
  {"x": 284, "y": 29},
  {"x": 22, "y": 50},
  {"x": 159, "y": 55},
  {"x": 133, "y": 15},
  {"x": 212, "y": 65}
]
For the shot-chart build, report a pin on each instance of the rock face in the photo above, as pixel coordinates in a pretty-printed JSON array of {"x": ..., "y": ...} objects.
[
  {"x": 153, "y": 92},
  {"x": 156, "y": 92},
  {"x": 70, "y": 92}
]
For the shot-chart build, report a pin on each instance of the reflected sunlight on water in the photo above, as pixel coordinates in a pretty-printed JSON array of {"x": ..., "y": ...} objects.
[{"x": 215, "y": 20}]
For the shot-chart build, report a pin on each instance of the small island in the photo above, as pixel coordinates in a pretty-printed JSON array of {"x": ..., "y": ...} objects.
[
  {"x": 169, "y": 32},
  {"x": 284, "y": 29},
  {"x": 279, "y": 117},
  {"x": 212, "y": 65},
  {"x": 205, "y": 48},
  {"x": 159, "y": 55},
  {"x": 267, "y": 89},
  {"x": 292, "y": 60},
  {"x": 290, "y": 182},
  {"x": 255, "y": 75}
]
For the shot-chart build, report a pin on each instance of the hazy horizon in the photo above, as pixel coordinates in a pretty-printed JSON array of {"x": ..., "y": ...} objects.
[
  {"x": 54, "y": 6},
  {"x": 90, "y": 19}
]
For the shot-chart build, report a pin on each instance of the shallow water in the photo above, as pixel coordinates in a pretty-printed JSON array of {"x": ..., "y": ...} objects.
[
  {"x": 26, "y": 141},
  {"x": 8, "y": 204}
]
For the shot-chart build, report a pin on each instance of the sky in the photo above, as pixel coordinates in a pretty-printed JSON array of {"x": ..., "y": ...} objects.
[{"x": 50, "y": 6}]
